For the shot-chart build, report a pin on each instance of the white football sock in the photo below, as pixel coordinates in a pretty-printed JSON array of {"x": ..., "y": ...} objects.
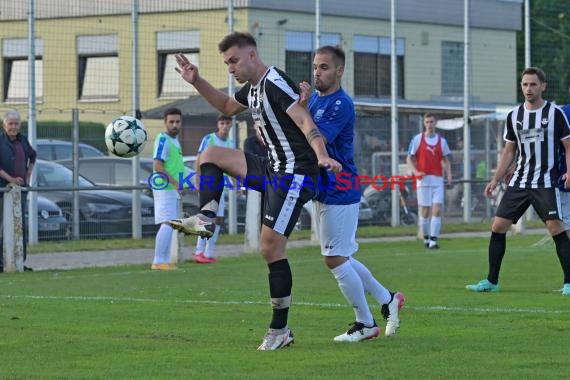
[
  {"x": 200, "y": 245},
  {"x": 371, "y": 285},
  {"x": 351, "y": 287},
  {"x": 162, "y": 244},
  {"x": 435, "y": 226},
  {"x": 211, "y": 243}
]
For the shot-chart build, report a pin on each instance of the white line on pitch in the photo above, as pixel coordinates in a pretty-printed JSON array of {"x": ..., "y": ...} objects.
[{"x": 454, "y": 309}]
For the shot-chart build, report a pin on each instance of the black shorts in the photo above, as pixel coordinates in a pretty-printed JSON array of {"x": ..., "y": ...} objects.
[
  {"x": 515, "y": 202},
  {"x": 284, "y": 194}
]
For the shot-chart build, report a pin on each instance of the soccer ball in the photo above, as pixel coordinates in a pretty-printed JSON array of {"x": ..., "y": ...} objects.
[{"x": 125, "y": 136}]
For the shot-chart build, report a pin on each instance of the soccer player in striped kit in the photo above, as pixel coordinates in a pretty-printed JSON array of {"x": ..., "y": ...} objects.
[
  {"x": 534, "y": 133},
  {"x": 296, "y": 150}
]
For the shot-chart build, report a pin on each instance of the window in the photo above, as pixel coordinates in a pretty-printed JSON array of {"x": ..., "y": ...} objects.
[
  {"x": 372, "y": 70},
  {"x": 451, "y": 68},
  {"x": 98, "y": 68},
  {"x": 299, "y": 47},
  {"x": 299, "y": 66},
  {"x": 168, "y": 44},
  {"x": 15, "y": 53}
]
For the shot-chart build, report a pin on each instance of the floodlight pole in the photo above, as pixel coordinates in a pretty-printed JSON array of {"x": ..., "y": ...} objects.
[
  {"x": 136, "y": 206},
  {"x": 395, "y": 220},
  {"x": 527, "y": 57},
  {"x": 232, "y": 195},
  {"x": 467, "y": 201},
  {"x": 33, "y": 196}
]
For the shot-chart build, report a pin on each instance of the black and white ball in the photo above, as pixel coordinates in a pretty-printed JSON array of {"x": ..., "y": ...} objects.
[{"x": 125, "y": 136}]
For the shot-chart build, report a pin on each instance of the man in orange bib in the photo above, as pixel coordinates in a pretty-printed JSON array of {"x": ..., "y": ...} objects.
[{"x": 428, "y": 157}]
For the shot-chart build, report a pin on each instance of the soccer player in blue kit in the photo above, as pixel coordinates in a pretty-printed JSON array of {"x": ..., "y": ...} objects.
[{"x": 333, "y": 112}]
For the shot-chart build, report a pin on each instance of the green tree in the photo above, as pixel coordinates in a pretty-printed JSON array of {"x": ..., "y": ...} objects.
[{"x": 550, "y": 46}]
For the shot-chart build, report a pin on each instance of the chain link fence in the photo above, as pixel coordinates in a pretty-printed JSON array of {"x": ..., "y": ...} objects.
[{"x": 85, "y": 61}]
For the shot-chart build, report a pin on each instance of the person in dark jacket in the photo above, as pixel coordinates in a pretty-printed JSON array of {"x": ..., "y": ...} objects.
[{"x": 17, "y": 159}]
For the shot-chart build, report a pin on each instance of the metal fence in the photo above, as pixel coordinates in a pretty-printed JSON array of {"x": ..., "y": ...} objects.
[{"x": 106, "y": 59}]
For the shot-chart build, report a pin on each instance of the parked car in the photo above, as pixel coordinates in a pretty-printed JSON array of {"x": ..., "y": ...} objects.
[
  {"x": 52, "y": 225},
  {"x": 115, "y": 171},
  {"x": 53, "y": 150},
  {"x": 102, "y": 213}
]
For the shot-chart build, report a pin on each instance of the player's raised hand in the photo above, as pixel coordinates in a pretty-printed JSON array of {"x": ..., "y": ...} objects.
[
  {"x": 187, "y": 70},
  {"x": 566, "y": 179},
  {"x": 305, "y": 89},
  {"x": 490, "y": 188}
]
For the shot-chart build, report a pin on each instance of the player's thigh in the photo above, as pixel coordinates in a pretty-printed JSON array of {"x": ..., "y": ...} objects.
[
  {"x": 424, "y": 194},
  {"x": 284, "y": 198},
  {"x": 437, "y": 194},
  {"x": 546, "y": 202},
  {"x": 337, "y": 228},
  {"x": 231, "y": 161},
  {"x": 256, "y": 176},
  {"x": 165, "y": 205},
  {"x": 513, "y": 205}
]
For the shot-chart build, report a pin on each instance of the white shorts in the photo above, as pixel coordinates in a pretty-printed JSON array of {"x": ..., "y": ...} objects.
[
  {"x": 428, "y": 195},
  {"x": 165, "y": 205},
  {"x": 565, "y": 207},
  {"x": 337, "y": 228}
]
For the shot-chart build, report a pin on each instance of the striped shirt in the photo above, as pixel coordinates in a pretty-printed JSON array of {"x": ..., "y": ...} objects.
[
  {"x": 537, "y": 134},
  {"x": 269, "y": 100}
]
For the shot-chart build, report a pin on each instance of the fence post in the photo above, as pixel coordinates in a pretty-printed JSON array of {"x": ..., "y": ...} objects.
[
  {"x": 177, "y": 243},
  {"x": 13, "y": 231},
  {"x": 252, "y": 221}
]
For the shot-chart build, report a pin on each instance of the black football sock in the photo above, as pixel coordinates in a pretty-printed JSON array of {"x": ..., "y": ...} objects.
[
  {"x": 211, "y": 188},
  {"x": 562, "y": 243},
  {"x": 497, "y": 246},
  {"x": 280, "y": 284}
]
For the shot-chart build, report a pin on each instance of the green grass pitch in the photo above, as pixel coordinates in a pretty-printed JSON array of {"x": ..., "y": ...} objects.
[{"x": 206, "y": 321}]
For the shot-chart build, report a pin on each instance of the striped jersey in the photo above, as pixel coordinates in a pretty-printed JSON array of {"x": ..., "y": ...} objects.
[
  {"x": 269, "y": 100},
  {"x": 537, "y": 134}
]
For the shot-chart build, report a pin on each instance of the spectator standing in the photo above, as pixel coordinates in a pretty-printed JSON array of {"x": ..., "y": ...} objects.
[{"x": 17, "y": 160}]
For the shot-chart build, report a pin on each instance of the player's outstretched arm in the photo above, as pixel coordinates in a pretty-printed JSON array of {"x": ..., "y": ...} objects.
[
  {"x": 303, "y": 120},
  {"x": 218, "y": 99}
]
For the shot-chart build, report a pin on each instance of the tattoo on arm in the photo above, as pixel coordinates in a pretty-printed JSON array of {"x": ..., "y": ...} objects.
[{"x": 313, "y": 134}]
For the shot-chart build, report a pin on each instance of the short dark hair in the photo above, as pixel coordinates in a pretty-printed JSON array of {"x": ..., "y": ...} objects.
[
  {"x": 223, "y": 117},
  {"x": 336, "y": 51},
  {"x": 535, "y": 71},
  {"x": 172, "y": 111},
  {"x": 429, "y": 115},
  {"x": 239, "y": 39}
]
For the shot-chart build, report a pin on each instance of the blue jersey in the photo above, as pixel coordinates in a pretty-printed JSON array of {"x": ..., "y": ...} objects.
[
  {"x": 562, "y": 155},
  {"x": 334, "y": 115}
]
